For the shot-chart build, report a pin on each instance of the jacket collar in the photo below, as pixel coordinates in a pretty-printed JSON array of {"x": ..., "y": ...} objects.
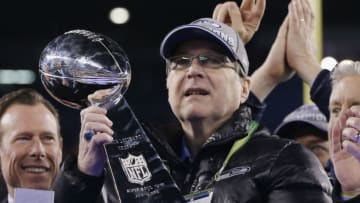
[
  {"x": 236, "y": 127},
  {"x": 172, "y": 134}
]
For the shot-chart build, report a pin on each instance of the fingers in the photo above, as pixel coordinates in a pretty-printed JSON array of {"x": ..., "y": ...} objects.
[
  {"x": 92, "y": 109},
  {"x": 355, "y": 111},
  {"x": 245, "y": 19},
  {"x": 299, "y": 9},
  {"x": 351, "y": 134},
  {"x": 309, "y": 13},
  {"x": 336, "y": 134},
  {"x": 301, "y": 13},
  {"x": 99, "y": 139},
  {"x": 247, "y": 4},
  {"x": 94, "y": 118},
  {"x": 346, "y": 129},
  {"x": 352, "y": 148},
  {"x": 353, "y": 122},
  {"x": 293, "y": 15},
  {"x": 91, "y": 156},
  {"x": 234, "y": 13},
  {"x": 283, "y": 28},
  {"x": 216, "y": 11},
  {"x": 95, "y": 122},
  {"x": 352, "y": 129},
  {"x": 301, "y": 47},
  {"x": 253, "y": 11},
  {"x": 222, "y": 13},
  {"x": 255, "y": 6},
  {"x": 346, "y": 132},
  {"x": 227, "y": 13},
  {"x": 260, "y": 6},
  {"x": 273, "y": 71},
  {"x": 97, "y": 128}
]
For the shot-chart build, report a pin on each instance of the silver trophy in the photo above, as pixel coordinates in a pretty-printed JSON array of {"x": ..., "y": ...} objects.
[{"x": 82, "y": 68}]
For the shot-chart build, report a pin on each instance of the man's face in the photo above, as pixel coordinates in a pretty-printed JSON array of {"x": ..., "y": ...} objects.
[
  {"x": 30, "y": 148},
  {"x": 317, "y": 145},
  {"x": 197, "y": 92},
  {"x": 344, "y": 95}
]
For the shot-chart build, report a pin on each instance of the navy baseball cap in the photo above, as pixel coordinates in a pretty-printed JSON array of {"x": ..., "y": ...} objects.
[
  {"x": 307, "y": 114},
  {"x": 209, "y": 29}
]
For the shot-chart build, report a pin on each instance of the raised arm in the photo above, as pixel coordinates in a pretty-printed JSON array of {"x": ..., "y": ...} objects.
[
  {"x": 91, "y": 157},
  {"x": 81, "y": 179},
  {"x": 292, "y": 51},
  {"x": 274, "y": 70}
]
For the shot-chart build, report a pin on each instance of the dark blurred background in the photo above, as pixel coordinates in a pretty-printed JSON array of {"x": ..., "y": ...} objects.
[{"x": 27, "y": 26}]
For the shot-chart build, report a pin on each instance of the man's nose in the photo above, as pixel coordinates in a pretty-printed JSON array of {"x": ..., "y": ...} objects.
[
  {"x": 195, "y": 69},
  {"x": 37, "y": 148}
]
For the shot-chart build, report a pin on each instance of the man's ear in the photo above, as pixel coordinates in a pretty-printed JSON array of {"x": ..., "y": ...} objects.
[
  {"x": 167, "y": 81},
  {"x": 245, "y": 84}
]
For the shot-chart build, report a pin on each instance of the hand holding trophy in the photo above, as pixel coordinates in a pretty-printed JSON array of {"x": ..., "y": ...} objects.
[{"x": 82, "y": 68}]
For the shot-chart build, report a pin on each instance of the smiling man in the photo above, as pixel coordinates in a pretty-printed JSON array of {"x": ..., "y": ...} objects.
[{"x": 30, "y": 141}]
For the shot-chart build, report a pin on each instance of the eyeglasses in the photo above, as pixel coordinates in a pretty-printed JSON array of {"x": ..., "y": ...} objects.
[{"x": 210, "y": 61}]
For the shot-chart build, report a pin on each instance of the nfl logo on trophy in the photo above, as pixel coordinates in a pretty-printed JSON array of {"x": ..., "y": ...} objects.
[{"x": 136, "y": 169}]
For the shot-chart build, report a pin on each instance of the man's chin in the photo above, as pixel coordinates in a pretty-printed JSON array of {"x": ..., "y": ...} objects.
[
  {"x": 41, "y": 183},
  {"x": 37, "y": 186},
  {"x": 195, "y": 115}
]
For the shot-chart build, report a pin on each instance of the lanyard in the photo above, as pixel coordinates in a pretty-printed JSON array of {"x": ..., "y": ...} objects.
[{"x": 236, "y": 147}]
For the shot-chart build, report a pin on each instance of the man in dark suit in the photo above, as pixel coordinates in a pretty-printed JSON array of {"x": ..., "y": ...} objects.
[{"x": 30, "y": 141}]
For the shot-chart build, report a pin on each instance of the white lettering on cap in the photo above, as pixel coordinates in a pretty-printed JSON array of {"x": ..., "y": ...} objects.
[
  {"x": 214, "y": 27},
  {"x": 224, "y": 36}
]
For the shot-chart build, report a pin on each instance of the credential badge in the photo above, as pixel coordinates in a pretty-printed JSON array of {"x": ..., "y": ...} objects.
[{"x": 136, "y": 169}]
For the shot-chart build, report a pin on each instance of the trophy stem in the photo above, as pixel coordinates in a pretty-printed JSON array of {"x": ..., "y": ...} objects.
[{"x": 134, "y": 165}]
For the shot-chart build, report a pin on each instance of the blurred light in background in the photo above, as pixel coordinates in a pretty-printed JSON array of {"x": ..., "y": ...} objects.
[
  {"x": 328, "y": 63},
  {"x": 18, "y": 76},
  {"x": 119, "y": 15}
]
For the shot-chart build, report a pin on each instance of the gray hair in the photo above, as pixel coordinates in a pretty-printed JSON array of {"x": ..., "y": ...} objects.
[{"x": 344, "y": 69}]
